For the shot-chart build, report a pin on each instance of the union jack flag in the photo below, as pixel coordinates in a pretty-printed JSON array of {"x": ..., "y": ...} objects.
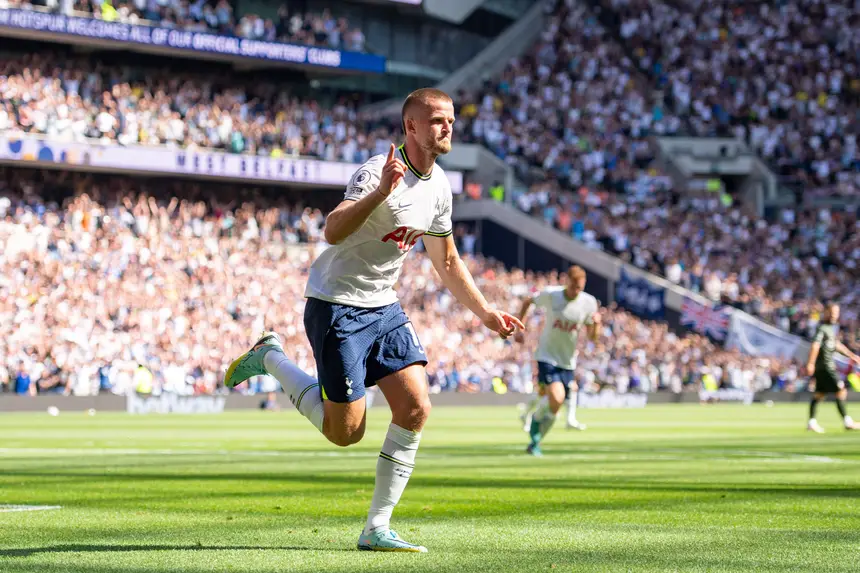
[{"x": 711, "y": 321}]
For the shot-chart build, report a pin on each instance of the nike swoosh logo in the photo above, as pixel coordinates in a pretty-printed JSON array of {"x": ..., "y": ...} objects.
[{"x": 400, "y": 208}]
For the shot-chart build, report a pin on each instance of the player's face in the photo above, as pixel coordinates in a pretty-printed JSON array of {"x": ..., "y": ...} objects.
[
  {"x": 831, "y": 314},
  {"x": 575, "y": 285},
  {"x": 434, "y": 130}
]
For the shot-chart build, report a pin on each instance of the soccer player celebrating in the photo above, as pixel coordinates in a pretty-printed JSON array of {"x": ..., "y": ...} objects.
[
  {"x": 359, "y": 333},
  {"x": 822, "y": 367},
  {"x": 568, "y": 309}
]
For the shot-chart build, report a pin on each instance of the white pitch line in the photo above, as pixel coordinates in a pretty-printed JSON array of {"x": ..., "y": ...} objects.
[{"x": 12, "y": 508}]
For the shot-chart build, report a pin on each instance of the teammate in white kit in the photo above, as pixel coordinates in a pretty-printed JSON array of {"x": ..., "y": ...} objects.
[
  {"x": 359, "y": 333},
  {"x": 568, "y": 309}
]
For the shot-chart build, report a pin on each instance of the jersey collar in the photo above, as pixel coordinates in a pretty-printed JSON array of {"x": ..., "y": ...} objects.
[{"x": 414, "y": 171}]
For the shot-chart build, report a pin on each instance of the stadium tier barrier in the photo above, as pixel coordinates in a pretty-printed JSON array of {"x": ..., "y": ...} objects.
[
  {"x": 92, "y": 156},
  {"x": 215, "y": 404}
]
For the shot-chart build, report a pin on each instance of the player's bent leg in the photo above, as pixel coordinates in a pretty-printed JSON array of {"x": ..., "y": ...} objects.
[
  {"x": 545, "y": 416},
  {"x": 555, "y": 396},
  {"x": 267, "y": 356},
  {"x": 344, "y": 423},
  {"x": 849, "y": 423},
  {"x": 408, "y": 397},
  {"x": 528, "y": 409},
  {"x": 571, "y": 401},
  {"x": 813, "y": 425},
  {"x": 407, "y": 394}
]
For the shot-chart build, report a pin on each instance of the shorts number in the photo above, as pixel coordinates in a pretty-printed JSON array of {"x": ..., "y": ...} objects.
[{"x": 414, "y": 334}]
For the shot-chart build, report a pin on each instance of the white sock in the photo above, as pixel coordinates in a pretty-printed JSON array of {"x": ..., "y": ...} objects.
[
  {"x": 303, "y": 390},
  {"x": 848, "y": 421},
  {"x": 571, "y": 409},
  {"x": 393, "y": 469},
  {"x": 533, "y": 403},
  {"x": 812, "y": 421},
  {"x": 545, "y": 417}
]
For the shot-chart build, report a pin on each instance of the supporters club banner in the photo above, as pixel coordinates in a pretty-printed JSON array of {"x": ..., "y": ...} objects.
[
  {"x": 755, "y": 338},
  {"x": 199, "y": 42},
  {"x": 640, "y": 296},
  {"x": 164, "y": 161},
  {"x": 710, "y": 320}
]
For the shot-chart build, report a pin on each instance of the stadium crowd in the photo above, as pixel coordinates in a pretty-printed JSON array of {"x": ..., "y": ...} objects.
[
  {"x": 216, "y": 16},
  {"x": 785, "y": 77},
  {"x": 574, "y": 116},
  {"x": 574, "y": 113},
  {"x": 70, "y": 98},
  {"x": 111, "y": 284},
  {"x": 571, "y": 108}
]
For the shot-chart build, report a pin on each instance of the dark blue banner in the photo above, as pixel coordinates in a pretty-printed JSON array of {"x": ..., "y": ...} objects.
[
  {"x": 640, "y": 296},
  {"x": 190, "y": 41}
]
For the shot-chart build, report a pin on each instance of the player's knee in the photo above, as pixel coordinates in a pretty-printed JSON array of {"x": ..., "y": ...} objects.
[
  {"x": 555, "y": 395},
  {"x": 414, "y": 415},
  {"x": 346, "y": 438},
  {"x": 419, "y": 413},
  {"x": 345, "y": 435}
]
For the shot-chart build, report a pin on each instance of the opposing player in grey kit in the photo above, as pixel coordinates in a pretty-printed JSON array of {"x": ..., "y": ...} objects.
[
  {"x": 359, "y": 333},
  {"x": 821, "y": 365}
]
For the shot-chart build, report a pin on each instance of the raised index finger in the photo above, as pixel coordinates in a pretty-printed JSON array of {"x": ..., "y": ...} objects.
[
  {"x": 516, "y": 321},
  {"x": 390, "y": 154}
]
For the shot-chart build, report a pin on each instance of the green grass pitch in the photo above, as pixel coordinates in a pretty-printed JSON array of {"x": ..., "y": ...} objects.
[{"x": 666, "y": 488}]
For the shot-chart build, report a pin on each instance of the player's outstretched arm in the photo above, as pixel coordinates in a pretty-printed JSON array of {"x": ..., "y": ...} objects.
[
  {"x": 350, "y": 215},
  {"x": 847, "y": 352},
  {"x": 457, "y": 278}
]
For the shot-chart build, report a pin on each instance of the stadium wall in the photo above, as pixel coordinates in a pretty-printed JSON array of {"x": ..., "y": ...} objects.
[{"x": 113, "y": 403}]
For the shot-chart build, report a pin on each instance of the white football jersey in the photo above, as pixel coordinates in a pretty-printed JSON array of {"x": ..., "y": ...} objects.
[
  {"x": 362, "y": 270},
  {"x": 564, "y": 319}
]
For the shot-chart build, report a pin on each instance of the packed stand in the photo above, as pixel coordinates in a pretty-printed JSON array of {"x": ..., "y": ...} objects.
[
  {"x": 571, "y": 108},
  {"x": 214, "y": 16},
  {"x": 784, "y": 77},
  {"x": 570, "y": 117},
  {"x": 781, "y": 270},
  {"x": 68, "y": 98},
  {"x": 111, "y": 289}
]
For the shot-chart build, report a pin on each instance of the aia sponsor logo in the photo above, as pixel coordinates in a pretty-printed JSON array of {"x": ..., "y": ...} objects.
[
  {"x": 565, "y": 325},
  {"x": 404, "y": 237}
]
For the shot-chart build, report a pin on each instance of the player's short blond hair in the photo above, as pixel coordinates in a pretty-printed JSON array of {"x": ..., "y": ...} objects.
[{"x": 421, "y": 97}]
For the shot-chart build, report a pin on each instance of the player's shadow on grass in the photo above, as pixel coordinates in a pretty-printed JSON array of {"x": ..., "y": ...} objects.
[{"x": 85, "y": 548}]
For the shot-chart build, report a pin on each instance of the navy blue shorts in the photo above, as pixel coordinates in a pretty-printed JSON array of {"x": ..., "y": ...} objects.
[
  {"x": 356, "y": 347},
  {"x": 549, "y": 374}
]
